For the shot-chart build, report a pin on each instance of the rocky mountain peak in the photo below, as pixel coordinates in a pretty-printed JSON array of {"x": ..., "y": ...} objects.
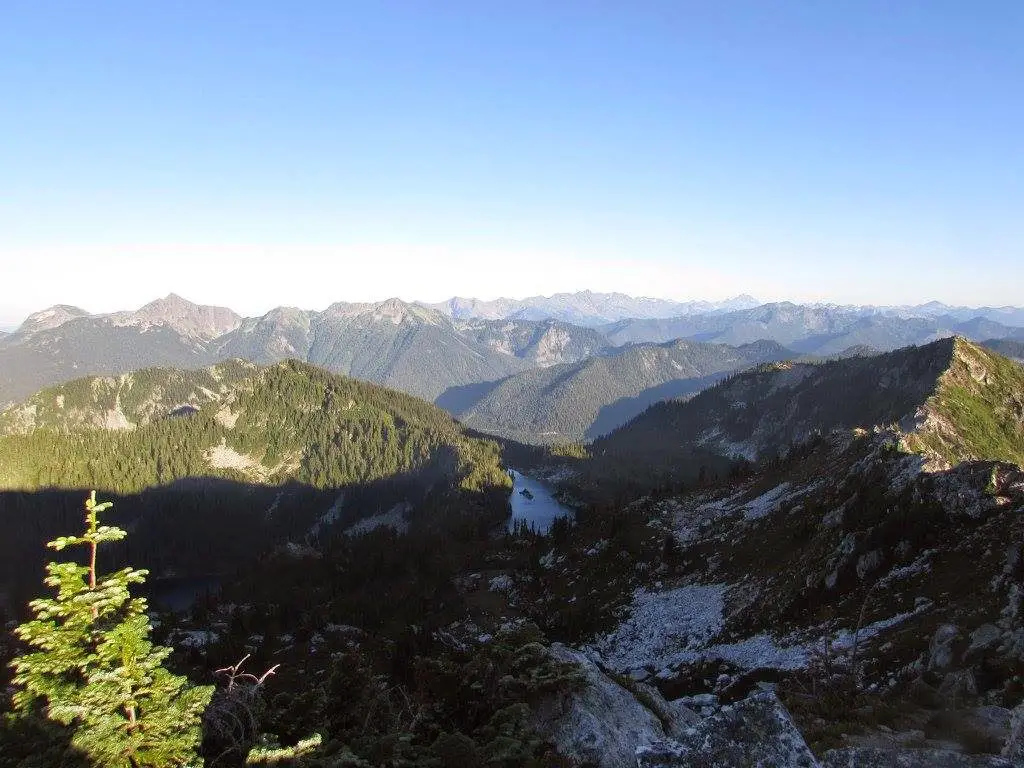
[
  {"x": 287, "y": 315},
  {"x": 189, "y": 319},
  {"x": 51, "y": 317},
  {"x": 392, "y": 310}
]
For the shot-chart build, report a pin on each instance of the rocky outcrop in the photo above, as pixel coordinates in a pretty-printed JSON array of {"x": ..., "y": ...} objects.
[
  {"x": 1014, "y": 749},
  {"x": 615, "y": 722},
  {"x": 860, "y": 757},
  {"x": 188, "y": 319},
  {"x": 757, "y": 731},
  {"x": 604, "y": 723},
  {"x": 940, "y": 652}
]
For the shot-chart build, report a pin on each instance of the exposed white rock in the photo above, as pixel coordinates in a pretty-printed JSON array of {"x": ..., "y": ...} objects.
[
  {"x": 1014, "y": 749},
  {"x": 865, "y": 757},
  {"x": 663, "y": 624},
  {"x": 226, "y": 417},
  {"x": 223, "y": 456},
  {"x": 393, "y": 518},
  {"x": 983, "y": 638},
  {"x": 756, "y": 732},
  {"x": 328, "y": 517},
  {"x": 766, "y": 503},
  {"x": 551, "y": 347},
  {"x": 679, "y": 626},
  {"x": 192, "y": 638},
  {"x": 940, "y": 652},
  {"x": 188, "y": 319},
  {"x": 604, "y": 724},
  {"x": 501, "y": 583}
]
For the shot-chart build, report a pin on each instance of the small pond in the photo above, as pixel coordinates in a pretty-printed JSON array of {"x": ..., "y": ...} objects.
[{"x": 534, "y": 502}]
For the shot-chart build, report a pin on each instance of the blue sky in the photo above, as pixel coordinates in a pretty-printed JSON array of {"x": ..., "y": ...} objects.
[{"x": 263, "y": 153}]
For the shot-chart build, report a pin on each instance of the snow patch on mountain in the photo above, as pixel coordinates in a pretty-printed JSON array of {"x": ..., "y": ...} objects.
[
  {"x": 667, "y": 629},
  {"x": 328, "y": 517},
  {"x": 661, "y": 625},
  {"x": 393, "y": 518},
  {"x": 715, "y": 440},
  {"x": 766, "y": 503}
]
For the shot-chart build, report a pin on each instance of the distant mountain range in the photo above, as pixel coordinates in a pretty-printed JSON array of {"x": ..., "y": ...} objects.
[
  {"x": 813, "y": 329},
  {"x": 405, "y": 346},
  {"x": 538, "y": 369},
  {"x": 585, "y": 307},
  {"x": 1007, "y": 347}
]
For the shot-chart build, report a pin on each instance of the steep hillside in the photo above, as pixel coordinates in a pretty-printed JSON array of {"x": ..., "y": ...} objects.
[
  {"x": 1006, "y": 348},
  {"x": 540, "y": 343},
  {"x": 953, "y": 398},
  {"x": 411, "y": 348},
  {"x": 125, "y": 402},
  {"x": 452, "y": 351},
  {"x": 406, "y": 346},
  {"x": 881, "y": 332},
  {"x": 288, "y": 422},
  {"x": 977, "y": 410},
  {"x": 93, "y": 346},
  {"x": 978, "y": 328},
  {"x": 764, "y": 410},
  {"x": 590, "y": 398},
  {"x": 876, "y": 598},
  {"x": 282, "y": 333}
]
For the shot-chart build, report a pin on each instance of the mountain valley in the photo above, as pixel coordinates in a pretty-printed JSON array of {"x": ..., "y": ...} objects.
[
  {"x": 572, "y": 402},
  {"x": 810, "y": 552}
]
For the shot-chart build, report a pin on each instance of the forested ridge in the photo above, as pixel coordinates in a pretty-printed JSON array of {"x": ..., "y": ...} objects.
[
  {"x": 288, "y": 422},
  {"x": 211, "y": 468},
  {"x": 577, "y": 401},
  {"x": 774, "y": 404}
]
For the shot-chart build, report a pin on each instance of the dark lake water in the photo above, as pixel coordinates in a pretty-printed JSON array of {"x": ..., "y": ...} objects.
[{"x": 538, "y": 507}]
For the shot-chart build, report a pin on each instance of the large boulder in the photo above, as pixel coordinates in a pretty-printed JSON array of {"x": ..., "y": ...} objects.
[
  {"x": 603, "y": 723},
  {"x": 868, "y": 757},
  {"x": 990, "y": 723},
  {"x": 983, "y": 639},
  {"x": 941, "y": 652},
  {"x": 1014, "y": 749},
  {"x": 754, "y": 733}
]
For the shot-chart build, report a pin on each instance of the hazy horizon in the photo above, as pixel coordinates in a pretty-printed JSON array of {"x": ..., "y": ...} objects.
[{"x": 10, "y": 322}]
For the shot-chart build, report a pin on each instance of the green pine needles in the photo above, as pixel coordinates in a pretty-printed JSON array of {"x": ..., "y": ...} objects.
[{"x": 93, "y": 668}]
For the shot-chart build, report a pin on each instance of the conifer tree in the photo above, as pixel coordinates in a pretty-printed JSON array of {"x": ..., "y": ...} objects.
[{"x": 93, "y": 668}]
